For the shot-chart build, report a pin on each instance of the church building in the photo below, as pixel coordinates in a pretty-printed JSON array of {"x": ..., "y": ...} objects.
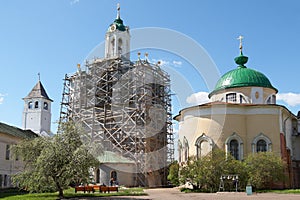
[
  {"x": 36, "y": 122},
  {"x": 241, "y": 118},
  {"x": 124, "y": 106},
  {"x": 37, "y": 111}
]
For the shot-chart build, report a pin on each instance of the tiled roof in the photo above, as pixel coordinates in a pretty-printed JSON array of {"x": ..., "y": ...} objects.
[
  {"x": 17, "y": 132},
  {"x": 38, "y": 91}
]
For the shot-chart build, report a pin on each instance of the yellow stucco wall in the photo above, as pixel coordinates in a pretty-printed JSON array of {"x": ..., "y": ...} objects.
[
  {"x": 220, "y": 121},
  {"x": 11, "y": 166}
]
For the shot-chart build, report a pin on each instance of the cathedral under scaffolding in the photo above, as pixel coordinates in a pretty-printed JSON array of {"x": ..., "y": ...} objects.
[{"x": 125, "y": 107}]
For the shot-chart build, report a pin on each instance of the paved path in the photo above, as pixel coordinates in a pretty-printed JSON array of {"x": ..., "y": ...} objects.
[{"x": 175, "y": 194}]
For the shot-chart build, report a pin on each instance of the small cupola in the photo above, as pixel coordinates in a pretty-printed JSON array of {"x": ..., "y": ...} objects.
[{"x": 117, "y": 39}]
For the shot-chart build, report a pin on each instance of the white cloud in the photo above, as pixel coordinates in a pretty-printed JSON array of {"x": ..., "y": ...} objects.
[
  {"x": 174, "y": 63},
  {"x": 178, "y": 63},
  {"x": 162, "y": 62},
  {"x": 290, "y": 99},
  {"x": 1, "y": 98},
  {"x": 198, "y": 98},
  {"x": 74, "y": 2}
]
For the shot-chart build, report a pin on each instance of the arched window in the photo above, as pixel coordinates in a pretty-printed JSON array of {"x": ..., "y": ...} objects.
[
  {"x": 261, "y": 143},
  {"x": 234, "y": 148},
  {"x": 231, "y": 97},
  {"x": 30, "y": 105},
  {"x": 7, "y": 153},
  {"x": 243, "y": 98},
  {"x": 120, "y": 43},
  {"x": 36, "y": 104},
  {"x": 234, "y": 145},
  {"x": 261, "y": 146},
  {"x": 185, "y": 149},
  {"x": 113, "y": 178},
  {"x": 179, "y": 151},
  {"x": 274, "y": 99},
  {"x": 45, "y": 105},
  {"x": 271, "y": 99},
  {"x": 204, "y": 145},
  {"x": 113, "y": 47},
  {"x": 5, "y": 180}
]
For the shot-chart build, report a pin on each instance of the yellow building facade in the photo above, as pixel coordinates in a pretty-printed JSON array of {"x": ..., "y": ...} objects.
[
  {"x": 241, "y": 118},
  {"x": 9, "y": 164}
]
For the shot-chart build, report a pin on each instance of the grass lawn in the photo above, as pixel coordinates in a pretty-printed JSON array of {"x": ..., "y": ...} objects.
[
  {"x": 12, "y": 194},
  {"x": 287, "y": 191}
]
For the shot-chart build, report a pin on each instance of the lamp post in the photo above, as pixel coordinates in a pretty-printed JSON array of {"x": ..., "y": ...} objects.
[{"x": 229, "y": 177}]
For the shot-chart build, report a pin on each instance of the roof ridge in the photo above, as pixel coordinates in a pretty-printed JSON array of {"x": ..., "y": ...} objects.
[
  {"x": 15, "y": 131},
  {"x": 38, "y": 91}
]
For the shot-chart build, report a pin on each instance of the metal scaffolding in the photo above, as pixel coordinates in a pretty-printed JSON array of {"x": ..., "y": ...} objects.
[{"x": 126, "y": 107}]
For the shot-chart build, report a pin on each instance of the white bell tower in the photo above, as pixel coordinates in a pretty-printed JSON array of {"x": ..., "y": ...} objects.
[
  {"x": 37, "y": 111},
  {"x": 117, "y": 39}
]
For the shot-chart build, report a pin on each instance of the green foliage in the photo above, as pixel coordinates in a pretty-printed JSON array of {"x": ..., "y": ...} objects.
[
  {"x": 187, "y": 171},
  {"x": 173, "y": 175},
  {"x": 288, "y": 191},
  {"x": 260, "y": 170},
  {"x": 52, "y": 163},
  {"x": 264, "y": 168},
  {"x": 205, "y": 173}
]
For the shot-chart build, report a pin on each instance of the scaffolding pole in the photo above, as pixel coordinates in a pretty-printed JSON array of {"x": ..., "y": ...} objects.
[{"x": 126, "y": 107}]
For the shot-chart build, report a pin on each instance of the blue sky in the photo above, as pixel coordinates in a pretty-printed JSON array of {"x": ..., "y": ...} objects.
[{"x": 51, "y": 36}]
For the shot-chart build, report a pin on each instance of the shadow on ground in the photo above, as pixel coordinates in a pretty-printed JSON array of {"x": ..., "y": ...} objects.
[{"x": 11, "y": 192}]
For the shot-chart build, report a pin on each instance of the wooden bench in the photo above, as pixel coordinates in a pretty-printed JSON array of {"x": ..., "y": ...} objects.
[
  {"x": 102, "y": 188},
  {"x": 84, "y": 189}
]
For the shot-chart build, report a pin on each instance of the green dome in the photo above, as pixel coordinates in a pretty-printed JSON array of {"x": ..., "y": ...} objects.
[
  {"x": 242, "y": 77},
  {"x": 119, "y": 24}
]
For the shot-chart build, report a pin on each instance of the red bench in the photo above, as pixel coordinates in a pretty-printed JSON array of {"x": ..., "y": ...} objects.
[
  {"x": 105, "y": 189},
  {"x": 84, "y": 189}
]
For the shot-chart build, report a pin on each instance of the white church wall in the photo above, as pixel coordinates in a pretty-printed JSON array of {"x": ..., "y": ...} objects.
[
  {"x": 257, "y": 95},
  {"x": 126, "y": 173}
]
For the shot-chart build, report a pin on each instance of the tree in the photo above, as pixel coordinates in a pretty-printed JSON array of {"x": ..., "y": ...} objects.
[
  {"x": 212, "y": 166},
  {"x": 205, "y": 172},
  {"x": 264, "y": 169},
  {"x": 187, "y": 171},
  {"x": 259, "y": 169},
  {"x": 173, "y": 175},
  {"x": 52, "y": 163}
]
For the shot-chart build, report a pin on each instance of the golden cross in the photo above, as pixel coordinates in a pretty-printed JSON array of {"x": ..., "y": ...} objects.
[
  {"x": 240, "y": 38},
  {"x": 118, "y": 9}
]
